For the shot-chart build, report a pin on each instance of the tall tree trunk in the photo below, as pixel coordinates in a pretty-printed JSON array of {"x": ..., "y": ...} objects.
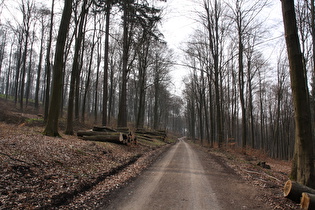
[
  {"x": 2, "y": 49},
  {"x": 156, "y": 105},
  {"x": 29, "y": 76},
  {"x": 53, "y": 116},
  {"x": 106, "y": 56},
  {"x": 143, "y": 65},
  {"x": 23, "y": 73},
  {"x": 250, "y": 100},
  {"x": 39, "y": 68},
  {"x": 241, "y": 88},
  {"x": 122, "y": 115},
  {"x": 303, "y": 161},
  {"x": 8, "y": 74},
  {"x": 47, "y": 66},
  {"x": 142, "y": 88},
  {"x": 88, "y": 80},
  {"x": 18, "y": 66},
  {"x": 97, "y": 79},
  {"x": 75, "y": 69}
]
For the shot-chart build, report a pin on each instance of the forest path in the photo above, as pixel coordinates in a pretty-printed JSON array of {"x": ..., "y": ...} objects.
[{"x": 187, "y": 178}]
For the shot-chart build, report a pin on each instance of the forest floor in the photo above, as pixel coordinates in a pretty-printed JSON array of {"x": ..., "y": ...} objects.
[{"x": 40, "y": 172}]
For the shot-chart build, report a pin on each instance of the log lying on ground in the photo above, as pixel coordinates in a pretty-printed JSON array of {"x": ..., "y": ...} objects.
[
  {"x": 123, "y": 129},
  {"x": 294, "y": 190},
  {"x": 152, "y": 133},
  {"x": 115, "y": 138},
  {"x": 103, "y": 129},
  {"x": 307, "y": 201},
  {"x": 149, "y": 134},
  {"x": 144, "y": 138},
  {"x": 95, "y": 133},
  {"x": 106, "y": 134}
]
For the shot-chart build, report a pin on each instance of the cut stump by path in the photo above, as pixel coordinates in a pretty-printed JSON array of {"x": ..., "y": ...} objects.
[{"x": 294, "y": 190}]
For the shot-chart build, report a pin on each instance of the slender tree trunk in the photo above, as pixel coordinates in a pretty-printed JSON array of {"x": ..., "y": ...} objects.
[
  {"x": 106, "y": 56},
  {"x": 2, "y": 49},
  {"x": 47, "y": 66},
  {"x": 87, "y": 85},
  {"x": 141, "y": 108},
  {"x": 39, "y": 68},
  {"x": 250, "y": 101},
  {"x": 9, "y": 72},
  {"x": 75, "y": 70},
  {"x": 241, "y": 88},
  {"x": 143, "y": 64},
  {"x": 23, "y": 73},
  {"x": 122, "y": 115},
  {"x": 303, "y": 161},
  {"x": 111, "y": 99},
  {"x": 53, "y": 116},
  {"x": 97, "y": 80},
  {"x": 156, "y": 105},
  {"x": 18, "y": 66},
  {"x": 29, "y": 76}
]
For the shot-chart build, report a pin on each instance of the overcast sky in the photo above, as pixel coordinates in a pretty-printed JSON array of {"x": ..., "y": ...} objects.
[{"x": 179, "y": 22}]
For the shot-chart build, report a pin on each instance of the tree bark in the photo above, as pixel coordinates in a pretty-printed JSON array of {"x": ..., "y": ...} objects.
[
  {"x": 106, "y": 56},
  {"x": 47, "y": 66},
  {"x": 122, "y": 115},
  {"x": 88, "y": 80},
  {"x": 29, "y": 76},
  {"x": 26, "y": 24},
  {"x": 118, "y": 139},
  {"x": 75, "y": 70},
  {"x": 9, "y": 72},
  {"x": 17, "y": 71},
  {"x": 53, "y": 115},
  {"x": 303, "y": 162}
]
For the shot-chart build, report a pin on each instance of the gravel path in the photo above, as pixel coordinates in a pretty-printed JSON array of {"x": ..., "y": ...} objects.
[{"x": 187, "y": 178}]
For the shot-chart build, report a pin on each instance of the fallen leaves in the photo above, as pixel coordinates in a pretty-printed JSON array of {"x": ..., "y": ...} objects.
[{"x": 37, "y": 171}]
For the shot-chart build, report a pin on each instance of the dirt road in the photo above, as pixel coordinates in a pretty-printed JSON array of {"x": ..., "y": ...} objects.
[{"x": 187, "y": 178}]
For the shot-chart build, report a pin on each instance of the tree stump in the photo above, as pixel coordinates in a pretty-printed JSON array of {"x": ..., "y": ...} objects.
[
  {"x": 307, "y": 201},
  {"x": 294, "y": 190}
]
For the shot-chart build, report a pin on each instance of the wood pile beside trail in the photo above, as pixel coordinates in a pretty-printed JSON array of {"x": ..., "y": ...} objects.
[
  {"x": 149, "y": 135},
  {"x": 300, "y": 194},
  {"x": 106, "y": 134},
  {"x": 121, "y": 135}
]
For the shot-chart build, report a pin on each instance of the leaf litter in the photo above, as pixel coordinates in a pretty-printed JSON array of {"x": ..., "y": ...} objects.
[{"x": 40, "y": 172}]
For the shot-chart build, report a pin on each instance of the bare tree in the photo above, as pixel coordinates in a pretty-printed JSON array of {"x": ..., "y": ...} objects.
[
  {"x": 75, "y": 73},
  {"x": 53, "y": 116}
]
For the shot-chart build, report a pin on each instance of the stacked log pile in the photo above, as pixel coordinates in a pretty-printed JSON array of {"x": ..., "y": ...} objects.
[
  {"x": 121, "y": 135},
  {"x": 106, "y": 134},
  {"x": 149, "y": 135},
  {"x": 300, "y": 194}
]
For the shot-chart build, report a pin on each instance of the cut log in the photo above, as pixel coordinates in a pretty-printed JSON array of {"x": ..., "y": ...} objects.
[
  {"x": 120, "y": 139},
  {"x": 144, "y": 138},
  {"x": 294, "y": 190},
  {"x": 152, "y": 133},
  {"x": 307, "y": 201},
  {"x": 95, "y": 133},
  {"x": 103, "y": 129}
]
